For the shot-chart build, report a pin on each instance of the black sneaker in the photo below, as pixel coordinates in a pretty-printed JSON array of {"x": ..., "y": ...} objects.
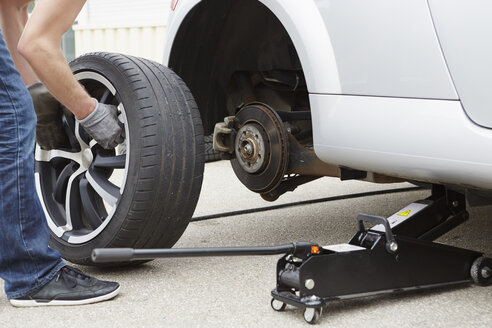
[{"x": 70, "y": 287}]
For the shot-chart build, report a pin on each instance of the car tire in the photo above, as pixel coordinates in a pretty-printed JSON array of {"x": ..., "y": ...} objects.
[
  {"x": 211, "y": 155},
  {"x": 143, "y": 193}
]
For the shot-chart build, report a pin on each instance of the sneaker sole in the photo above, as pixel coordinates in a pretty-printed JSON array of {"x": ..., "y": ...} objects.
[{"x": 34, "y": 303}]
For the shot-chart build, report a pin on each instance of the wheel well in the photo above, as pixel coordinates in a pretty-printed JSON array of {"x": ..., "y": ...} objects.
[{"x": 233, "y": 52}]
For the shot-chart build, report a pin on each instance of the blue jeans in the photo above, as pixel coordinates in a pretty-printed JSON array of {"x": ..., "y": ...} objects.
[{"x": 26, "y": 261}]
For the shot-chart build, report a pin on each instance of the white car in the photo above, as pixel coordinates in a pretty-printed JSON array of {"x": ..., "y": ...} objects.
[
  {"x": 394, "y": 88},
  {"x": 290, "y": 90}
]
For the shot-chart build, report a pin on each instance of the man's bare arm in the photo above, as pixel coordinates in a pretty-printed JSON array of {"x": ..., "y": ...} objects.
[
  {"x": 40, "y": 45},
  {"x": 13, "y": 18}
]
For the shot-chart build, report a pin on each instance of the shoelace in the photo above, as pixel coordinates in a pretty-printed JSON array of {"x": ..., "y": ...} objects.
[{"x": 70, "y": 275}]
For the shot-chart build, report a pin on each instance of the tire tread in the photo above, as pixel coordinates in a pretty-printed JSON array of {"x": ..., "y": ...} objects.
[{"x": 169, "y": 155}]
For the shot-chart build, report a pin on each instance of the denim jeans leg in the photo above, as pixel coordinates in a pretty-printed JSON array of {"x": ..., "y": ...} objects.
[{"x": 26, "y": 260}]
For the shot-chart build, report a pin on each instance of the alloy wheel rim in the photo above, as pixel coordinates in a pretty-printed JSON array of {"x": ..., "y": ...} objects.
[{"x": 81, "y": 187}]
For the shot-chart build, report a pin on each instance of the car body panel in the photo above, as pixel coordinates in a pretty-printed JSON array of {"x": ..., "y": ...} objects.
[
  {"x": 464, "y": 28},
  {"x": 386, "y": 48},
  {"x": 175, "y": 19},
  {"x": 369, "y": 58},
  {"x": 420, "y": 139}
]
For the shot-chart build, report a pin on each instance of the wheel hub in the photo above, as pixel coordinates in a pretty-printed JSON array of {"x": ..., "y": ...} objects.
[
  {"x": 260, "y": 148},
  {"x": 250, "y": 147}
]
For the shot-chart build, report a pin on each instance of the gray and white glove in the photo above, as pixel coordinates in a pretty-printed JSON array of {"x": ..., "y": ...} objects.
[{"x": 103, "y": 125}]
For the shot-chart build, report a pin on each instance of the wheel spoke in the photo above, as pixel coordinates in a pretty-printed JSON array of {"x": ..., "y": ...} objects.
[
  {"x": 72, "y": 202},
  {"x": 69, "y": 127},
  {"x": 92, "y": 143},
  {"x": 89, "y": 204},
  {"x": 121, "y": 116},
  {"x": 47, "y": 155},
  {"x": 107, "y": 97},
  {"x": 108, "y": 191},
  {"x": 82, "y": 136},
  {"x": 115, "y": 162},
  {"x": 62, "y": 182}
]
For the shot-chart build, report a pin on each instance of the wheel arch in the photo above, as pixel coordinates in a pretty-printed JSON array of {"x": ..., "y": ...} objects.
[{"x": 202, "y": 46}]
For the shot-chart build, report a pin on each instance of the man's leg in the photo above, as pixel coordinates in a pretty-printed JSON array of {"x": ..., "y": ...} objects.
[
  {"x": 13, "y": 18},
  {"x": 34, "y": 274},
  {"x": 26, "y": 261}
]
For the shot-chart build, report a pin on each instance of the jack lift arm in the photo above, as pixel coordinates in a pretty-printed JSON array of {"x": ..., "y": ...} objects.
[{"x": 396, "y": 254}]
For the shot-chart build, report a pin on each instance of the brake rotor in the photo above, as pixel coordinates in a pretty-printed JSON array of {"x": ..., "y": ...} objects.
[{"x": 261, "y": 155}]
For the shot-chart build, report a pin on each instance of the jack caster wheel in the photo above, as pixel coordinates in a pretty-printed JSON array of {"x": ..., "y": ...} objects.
[
  {"x": 312, "y": 315},
  {"x": 481, "y": 271},
  {"x": 277, "y": 305}
]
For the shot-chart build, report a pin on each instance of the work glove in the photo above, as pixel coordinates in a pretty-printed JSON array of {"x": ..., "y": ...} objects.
[
  {"x": 49, "y": 129},
  {"x": 103, "y": 125}
]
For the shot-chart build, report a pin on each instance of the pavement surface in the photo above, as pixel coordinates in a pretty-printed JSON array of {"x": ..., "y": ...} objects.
[{"x": 235, "y": 291}]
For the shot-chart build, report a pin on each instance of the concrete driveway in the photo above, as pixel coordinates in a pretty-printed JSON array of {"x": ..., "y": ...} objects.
[{"x": 235, "y": 291}]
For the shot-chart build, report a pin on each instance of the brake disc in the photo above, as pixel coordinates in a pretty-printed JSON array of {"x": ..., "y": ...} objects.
[{"x": 261, "y": 148}]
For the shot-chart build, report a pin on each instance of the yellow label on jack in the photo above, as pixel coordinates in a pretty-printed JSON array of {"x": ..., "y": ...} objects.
[
  {"x": 399, "y": 217},
  {"x": 406, "y": 213}
]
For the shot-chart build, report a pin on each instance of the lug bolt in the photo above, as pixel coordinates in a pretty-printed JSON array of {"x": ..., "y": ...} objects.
[
  {"x": 309, "y": 283},
  {"x": 393, "y": 246}
]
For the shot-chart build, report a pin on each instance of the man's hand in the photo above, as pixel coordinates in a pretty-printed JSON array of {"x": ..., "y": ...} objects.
[
  {"x": 103, "y": 125},
  {"x": 49, "y": 130}
]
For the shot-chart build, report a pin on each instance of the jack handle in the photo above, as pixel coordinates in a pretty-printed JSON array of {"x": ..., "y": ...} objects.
[
  {"x": 103, "y": 255},
  {"x": 391, "y": 245}
]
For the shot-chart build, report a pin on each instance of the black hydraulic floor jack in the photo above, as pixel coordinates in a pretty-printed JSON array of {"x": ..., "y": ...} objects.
[{"x": 396, "y": 254}]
